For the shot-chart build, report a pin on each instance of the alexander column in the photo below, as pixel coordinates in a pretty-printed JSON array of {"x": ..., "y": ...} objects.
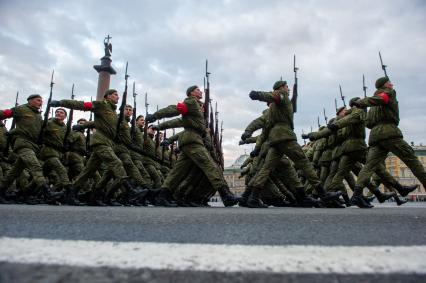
[{"x": 104, "y": 70}]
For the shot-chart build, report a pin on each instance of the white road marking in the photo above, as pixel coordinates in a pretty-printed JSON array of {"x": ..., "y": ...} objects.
[{"x": 223, "y": 258}]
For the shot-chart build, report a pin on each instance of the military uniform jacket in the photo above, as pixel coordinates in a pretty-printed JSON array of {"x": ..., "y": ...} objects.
[
  {"x": 105, "y": 121},
  {"x": 53, "y": 139},
  {"x": 279, "y": 122},
  {"x": 192, "y": 120},
  {"x": 383, "y": 116},
  {"x": 28, "y": 126},
  {"x": 353, "y": 125}
]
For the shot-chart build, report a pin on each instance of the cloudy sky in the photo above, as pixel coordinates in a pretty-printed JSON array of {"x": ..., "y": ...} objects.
[{"x": 249, "y": 45}]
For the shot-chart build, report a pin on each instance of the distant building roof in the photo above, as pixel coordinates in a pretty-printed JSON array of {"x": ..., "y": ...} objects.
[{"x": 238, "y": 162}]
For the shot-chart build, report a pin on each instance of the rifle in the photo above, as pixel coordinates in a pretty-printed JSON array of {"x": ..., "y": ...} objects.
[
  {"x": 69, "y": 121},
  {"x": 145, "y": 126},
  {"x": 133, "y": 123},
  {"x": 211, "y": 123},
  {"x": 335, "y": 104},
  {"x": 304, "y": 140},
  {"x": 216, "y": 129},
  {"x": 222, "y": 162},
  {"x": 341, "y": 96},
  {"x": 157, "y": 137},
  {"x": 383, "y": 65},
  {"x": 163, "y": 148},
  {"x": 319, "y": 125},
  {"x": 123, "y": 104},
  {"x": 325, "y": 117},
  {"x": 88, "y": 133},
  {"x": 207, "y": 92},
  {"x": 9, "y": 137},
  {"x": 172, "y": 148},
  {"x": 364, "y": 88},
  {"x": 294, "y": 97},
  {"x": 46, "y": 113}
]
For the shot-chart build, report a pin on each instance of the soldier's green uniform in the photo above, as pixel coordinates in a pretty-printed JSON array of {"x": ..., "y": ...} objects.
[
  {"x": 148, "y": 160},
  {"x": 76, "y": 153},
  {"x": 283, "y": 141},
  {"x": 193, "y": 151},
  {"x": 385, "y": 136},
  {"x": 25, "y": 135},
  {"x": 51, "y": 151},
  {"x": 102, "y": 142}
]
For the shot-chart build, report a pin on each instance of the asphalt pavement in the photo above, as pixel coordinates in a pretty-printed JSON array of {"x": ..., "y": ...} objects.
[{"x": 385, "y": 225}]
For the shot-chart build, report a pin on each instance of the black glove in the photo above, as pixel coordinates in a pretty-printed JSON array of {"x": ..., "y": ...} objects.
[
  {"x": 55, "y": 103},
  {"x": 78, "y": 128},
  {"x": 254, "y": 153},
  {"x": 177, "y": 150},
  {"x": 150, "y": 118},
  {"x": 356, "y": 104},
  {"x": 155, "y": 127},
  {"x": 245, "y": 135},
  {"x": 254, "y": 95},
  {"x": 332, "y": 127},
  {"x": 67, "y": 146},
  {"x": 241, "y": 142},
  {"x": 311, "y": 137},
  {"x": 305, "y": 136},
  {"x": 165, "y": 143}
]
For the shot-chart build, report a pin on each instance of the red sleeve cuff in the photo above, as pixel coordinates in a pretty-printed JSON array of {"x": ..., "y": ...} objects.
[
  {"x": 8, "y": 113},
  {"x": 384, "y": 96},
  {"x": 87, "y": 105},
  {"x": 277, "y": 98},
  {"x": 182, "y": 108}
]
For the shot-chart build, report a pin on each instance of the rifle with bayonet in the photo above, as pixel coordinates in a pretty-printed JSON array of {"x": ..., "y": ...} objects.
[
  {"x": 207, "y": 93},
  {"x": 46, "y": 113},
  {"x": 325, "y": 116},
  {"x": 133, "y": 123},
  {"x": 335, "y": 104},
  {"x": 123, "y": 104},
  {"x": 9, "y": 136},
  {"x": 303, "y": 134},
  {"x": 364, "y": 88},
  {"x": 157, "y": 137},
  {"x": 341, "y": 96},
  {"x": 145, "y": 126},
  {"x": 383, "y": 65},
  {"x": 163, "y": 149},
  {"x": 319, "y": 125},
  {"x": 222, "y": 161},
  {"x": 88, "y": 133},
  {"x": 294, "y": 97},
  {"x": 69, "y": 122}
]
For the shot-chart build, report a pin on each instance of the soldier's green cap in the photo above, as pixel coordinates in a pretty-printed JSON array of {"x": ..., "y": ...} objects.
[
  {"x": 190, "y": 89},
  {"x": 381, "y": 81},
  {"x": 33, "y": 96},
  {"x": 63, "y": 110},
  {"x": 339, "y": 110},
  {"x": 351, "y": 102},
  {"x": 279, "y": 84},
  {"x": 109, "y": 91}
]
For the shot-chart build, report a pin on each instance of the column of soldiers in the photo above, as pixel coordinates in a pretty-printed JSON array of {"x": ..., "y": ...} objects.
[
  {"x": 279, "y": 172},
  {"x": 118, "y": 167}
]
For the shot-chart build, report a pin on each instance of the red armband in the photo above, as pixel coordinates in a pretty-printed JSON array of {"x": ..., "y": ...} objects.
[
  {"x": 182, "y": 108},
  {"x": 87, "y": 105},
  {"x": 277, "y": 99},
  {"x": 8, "y": 113},
  {"x": 384, "y": 96}
]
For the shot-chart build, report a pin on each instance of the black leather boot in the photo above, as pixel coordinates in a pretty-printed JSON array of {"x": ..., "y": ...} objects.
[
  {"x": 399, "y": 201},
  {"x": 254, "y": 200},
  {"x": 163, "y": 198},
  {"x": 227, "y": 197},
  {"x": 405, "y": 190},
  {"x": 327, "y": 196},
  {"x": 382, "y": 197},
  {"x": 244, "y": 197},
  {"x": 358, "y": 200},
  {"x": 305, "y": 201},
  {"x": 49, "y": 195},
  {"x": 347, "y": 200},
  {"x": 133, "y": 193},
  {"x": 71, "y": 196}
]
